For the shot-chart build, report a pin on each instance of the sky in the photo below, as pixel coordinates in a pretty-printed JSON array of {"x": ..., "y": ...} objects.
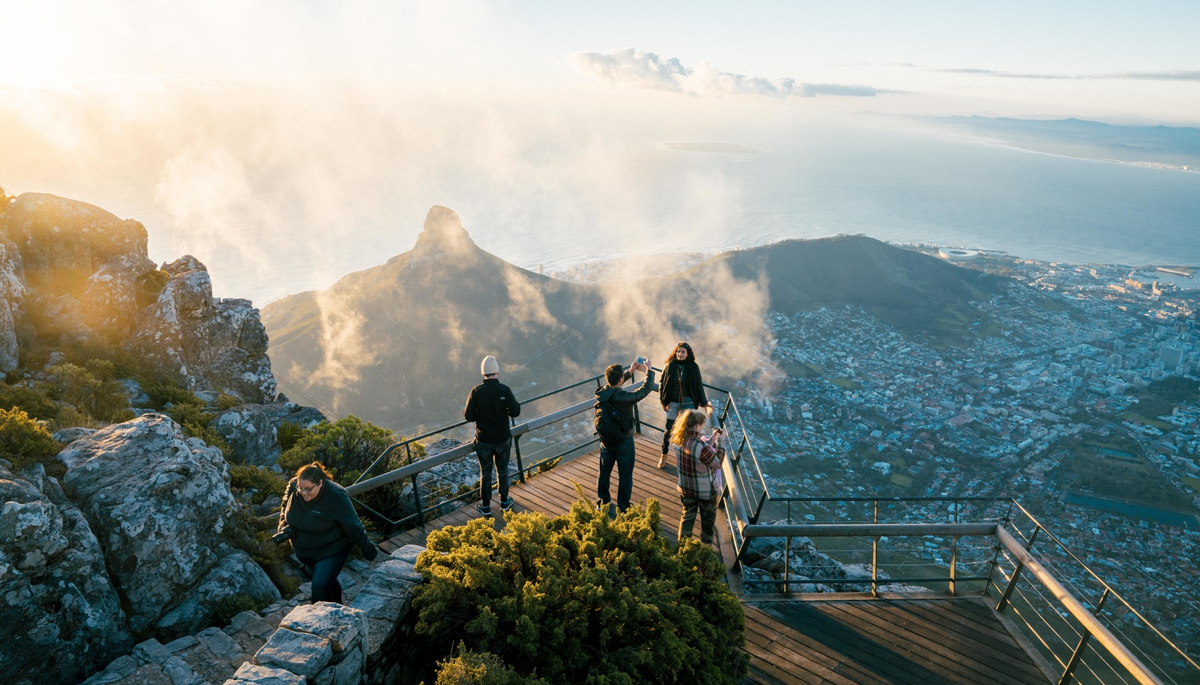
[{"x": 287, "y": 143}]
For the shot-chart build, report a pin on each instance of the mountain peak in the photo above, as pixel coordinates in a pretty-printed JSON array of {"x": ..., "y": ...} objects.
[{"x": 443, "y": 232}]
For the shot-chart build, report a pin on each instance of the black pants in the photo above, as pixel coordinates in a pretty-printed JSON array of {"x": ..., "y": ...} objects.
[
  {"x": 487, "y": 453},
  {"x": 325, "y": 585}
]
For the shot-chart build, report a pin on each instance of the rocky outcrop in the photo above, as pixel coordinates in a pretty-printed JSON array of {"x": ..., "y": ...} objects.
[
  {"x": 62, "y": 615},
  {"x": 80, "y": 265},
  {"x": 203, "y": 342},
  {"x": 83, "y": 276},
  {"x": 160, "y": 504},
  {"x": 252, "y": 430},
  {"x": 237, "y": 574},
  {"x": 12, "y": 302}
]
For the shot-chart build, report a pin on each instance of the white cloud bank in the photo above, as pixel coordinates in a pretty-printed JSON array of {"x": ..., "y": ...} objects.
[{"x": 648, "y": 70}]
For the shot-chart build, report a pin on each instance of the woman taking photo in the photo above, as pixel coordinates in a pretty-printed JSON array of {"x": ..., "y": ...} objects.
[
  {"x": 323, "y": 526},
  {"x": 698, "y": 459},
  {"x": 681, "y": 388}
]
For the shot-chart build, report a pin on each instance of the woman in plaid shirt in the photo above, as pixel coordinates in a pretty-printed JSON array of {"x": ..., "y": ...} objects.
[{"x": 698, "y": 460}]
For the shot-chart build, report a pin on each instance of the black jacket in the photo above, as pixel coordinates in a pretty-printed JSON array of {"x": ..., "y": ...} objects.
[
  {"x": 325, "y": 526},
  {"x": 679, "y": 380},
  {"x": 623, "y": 400},
  {"x": 489, "y": 405}
]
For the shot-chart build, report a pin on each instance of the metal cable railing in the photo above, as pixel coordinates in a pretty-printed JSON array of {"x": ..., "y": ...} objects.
[{"x": 878, "y": 535}]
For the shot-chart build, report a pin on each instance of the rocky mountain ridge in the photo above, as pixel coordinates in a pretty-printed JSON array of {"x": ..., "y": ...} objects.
[
  {"x": 399, "y": 344},
  {"x": 128, "y": 532}
]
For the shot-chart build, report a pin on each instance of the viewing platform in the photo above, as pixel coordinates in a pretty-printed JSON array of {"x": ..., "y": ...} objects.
[
  {"x": 842, "y": 590},
  {"x": 810, "y": 640}
]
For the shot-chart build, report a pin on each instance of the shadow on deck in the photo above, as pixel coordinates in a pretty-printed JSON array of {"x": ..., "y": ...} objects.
[{"x": 826, "y": 639}]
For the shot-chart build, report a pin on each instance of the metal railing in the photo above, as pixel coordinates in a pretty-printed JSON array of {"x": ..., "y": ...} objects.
[
  {"x": 984, "y": 544},
  {"x": 889, "y": 545}
]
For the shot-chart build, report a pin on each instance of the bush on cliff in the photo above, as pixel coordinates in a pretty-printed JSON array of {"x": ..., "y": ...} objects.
[
  {"x": 580, "y": 599},
  {"x": 25, "y": 441}
]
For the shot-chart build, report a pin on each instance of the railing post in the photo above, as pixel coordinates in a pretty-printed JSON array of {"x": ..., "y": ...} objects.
[
  {"x": 787, "y": 566},
  {"x": 637, "y": 419},
  {"x": 1012, "y": 582},
  {"x": 1077, "y": 655},
  {"x": 875, "y": 567},
  {"x": 875, "y": 553},
  {"x": 520, "y": 466},
  {"x": 953, "y": 560},
  {"x": 416, "y": 492}
]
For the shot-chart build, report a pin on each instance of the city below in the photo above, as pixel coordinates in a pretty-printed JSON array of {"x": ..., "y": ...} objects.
[{"x": 1074, "y": 393}]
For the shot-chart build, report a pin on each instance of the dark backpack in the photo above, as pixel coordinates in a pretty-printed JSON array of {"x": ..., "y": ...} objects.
[{"x": 611, "y": 425}]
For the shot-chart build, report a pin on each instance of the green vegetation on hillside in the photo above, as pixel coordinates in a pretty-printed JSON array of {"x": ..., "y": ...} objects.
[
  {"x": 577, "y": 599},
  {"x": 1102, "y": 469},
  {"x": 25, "y": 441}
]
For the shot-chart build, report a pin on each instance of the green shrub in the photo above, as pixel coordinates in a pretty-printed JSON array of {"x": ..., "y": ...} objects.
[
  {"x": 164, "y": 391},
  {"x": 25, "y": 441},
  {"x": 196, "y": 423},
  {"x": 33, "y": 402},
  {"x": 124, "y": 363},
  {"x": 232, "y": 606},
  {"x": 582, "y": 599},
  {"x": 263, "y": 482},
  {"x": 469, "y": 668},
  {"x": 225, "y": 401},
  {"x": 288, "y": 433},
  {"x": 101, "y": 399}
]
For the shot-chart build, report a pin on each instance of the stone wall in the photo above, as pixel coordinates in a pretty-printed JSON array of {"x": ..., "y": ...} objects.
[
  {"x": 331, "y": 644},
  {"x": 293, "y": 642}
]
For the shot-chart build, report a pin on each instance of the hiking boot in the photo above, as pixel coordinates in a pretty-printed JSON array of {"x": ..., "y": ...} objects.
[
  {"x": 483, "y": 509},
  {"x": 507, "y": 504}
]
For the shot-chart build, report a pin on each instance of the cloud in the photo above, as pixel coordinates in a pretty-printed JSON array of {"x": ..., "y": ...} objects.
[
  {"x": 648, "y": 70},
  {"x": 1125, "y": 75}
]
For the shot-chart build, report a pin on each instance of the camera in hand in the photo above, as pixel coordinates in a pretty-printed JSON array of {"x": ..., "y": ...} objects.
[
  {"x": 282, "y": 537},
  {"x": 641, "y": 361}
]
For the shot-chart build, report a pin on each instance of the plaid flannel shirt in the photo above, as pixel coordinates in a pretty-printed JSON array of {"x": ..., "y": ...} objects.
[{"x": 699, "y": 466}]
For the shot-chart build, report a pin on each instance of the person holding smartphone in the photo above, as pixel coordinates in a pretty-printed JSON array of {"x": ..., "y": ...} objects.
[
  {"x": 618, "y": 450},
  {"x": 681, "y": 388},
  {"x": 698, "y": 459}
]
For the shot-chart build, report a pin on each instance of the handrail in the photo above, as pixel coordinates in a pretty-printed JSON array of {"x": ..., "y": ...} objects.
[
  {"x": 743, "y": 513},
  {"x": 464, "y": 449},
  {"x": 1114, "y": 646}
]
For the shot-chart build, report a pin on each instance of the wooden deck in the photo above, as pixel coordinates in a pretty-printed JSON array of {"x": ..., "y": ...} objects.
[{"x": 935, "y": 641}]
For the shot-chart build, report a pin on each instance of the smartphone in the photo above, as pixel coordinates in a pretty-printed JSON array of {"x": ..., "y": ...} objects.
[{"x": 641, "y": 360}]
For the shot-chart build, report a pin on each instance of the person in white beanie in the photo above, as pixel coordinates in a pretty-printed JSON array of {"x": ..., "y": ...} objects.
[{"x": 490, "y": 405}]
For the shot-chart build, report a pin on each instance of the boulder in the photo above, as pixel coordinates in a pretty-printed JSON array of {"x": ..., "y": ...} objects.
[
  {"x": 204, "y": 343},
  {"x": 252, "y": 430},
  {"x": 237, "y": 574},
  {"x": 62, "y": 615},
  {"x": 159, "y": 503}
]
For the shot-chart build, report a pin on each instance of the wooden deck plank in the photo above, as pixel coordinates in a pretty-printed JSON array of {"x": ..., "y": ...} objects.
[
  {"x": 943, "y": 652},
  {"x": 799, "y": 642}
]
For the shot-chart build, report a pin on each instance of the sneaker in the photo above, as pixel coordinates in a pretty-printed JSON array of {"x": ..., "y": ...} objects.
[
  {"x": 507, "y": 504},
  {"x": 483, "y": 509}
]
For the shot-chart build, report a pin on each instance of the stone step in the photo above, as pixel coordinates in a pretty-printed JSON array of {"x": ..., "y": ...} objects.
[{"x": 213, "y": 655}]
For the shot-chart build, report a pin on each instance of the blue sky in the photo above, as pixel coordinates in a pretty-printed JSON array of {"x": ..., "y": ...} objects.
[
  {"x": 257, "y": 135},
  {"x": 1127, "y": 60}
]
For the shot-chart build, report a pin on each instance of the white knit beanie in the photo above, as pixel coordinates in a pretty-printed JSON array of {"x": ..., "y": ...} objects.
[{"x": 489, "y": 366}]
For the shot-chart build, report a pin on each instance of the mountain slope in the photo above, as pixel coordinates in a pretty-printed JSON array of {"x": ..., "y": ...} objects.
[{"x": 400, "y": 344}]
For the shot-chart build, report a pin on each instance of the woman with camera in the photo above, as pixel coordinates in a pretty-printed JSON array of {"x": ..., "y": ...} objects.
[
  {"x": 698, "y": 459},
  {"x": 681, "y": 388},
  {"x": 323, "y": 526}
]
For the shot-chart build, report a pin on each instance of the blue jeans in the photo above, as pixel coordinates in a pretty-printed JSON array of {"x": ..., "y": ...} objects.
[
  {"x": 486, "y": 453},
  {"x": 622, "y": 455},
  {"x": 325, "y": 585}
]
